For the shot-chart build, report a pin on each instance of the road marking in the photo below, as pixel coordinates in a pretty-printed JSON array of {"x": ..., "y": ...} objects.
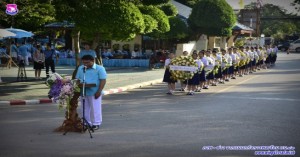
[
  {"x": 234, "y": 85},
  {"x": 261, "y": 98}
]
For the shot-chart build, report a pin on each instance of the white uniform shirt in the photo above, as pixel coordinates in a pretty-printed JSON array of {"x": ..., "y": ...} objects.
[
  {"x": 251, "y": 55},
  {"x": 227, "y": 59},
  {"x": 256, "y": 56},
  {"x": 199, "y": 63},
  {"x": 233, "y": 58},
  {"x": 269, "y": 51},
  {"x": 211, "y": 63},
  {"x": 167, "y": 62},
  {"x": 204, "y": 61}
]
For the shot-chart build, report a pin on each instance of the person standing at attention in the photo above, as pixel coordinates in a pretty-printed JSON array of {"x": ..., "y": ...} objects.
[
  {"x": 49, "y": 62},
  {"x": 14, "y": 51},
  {"x": 38, "y": 62},
  {"x": 167, "y": 76},
  {"x": 87, "y": 51},
  {"x": 23, "y": 52},
  {"x": 93, "y": 74}
]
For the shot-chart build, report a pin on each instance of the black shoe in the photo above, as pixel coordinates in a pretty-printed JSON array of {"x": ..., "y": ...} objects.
[{"x": 96, "y": 127}]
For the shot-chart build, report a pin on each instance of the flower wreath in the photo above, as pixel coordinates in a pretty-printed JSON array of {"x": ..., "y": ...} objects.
[
  {"x": 183, "y": 61},
  {"x": 61, "y": 90}
]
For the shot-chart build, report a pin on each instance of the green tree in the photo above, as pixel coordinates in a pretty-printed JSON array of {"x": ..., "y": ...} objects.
[
  {"x": 190, "y": 3},
  {"x": 178, "y": 29},
  {"x": 32, "y": 15},
  {"x": 112, "y": 19},
  {"x": 276, "y": 28},
  {"x": 150, "y": 23},
  {"x": 157, "y": 14},
  {"x": 213, "y": 18},
  {"x": 169, "y": 9},
  {"x": 154, "y": 2}
]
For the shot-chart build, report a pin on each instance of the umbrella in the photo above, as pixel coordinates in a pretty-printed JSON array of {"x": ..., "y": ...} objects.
[
  {"x": 6, "y": 33},
  {"x": 19, "y": 33}
]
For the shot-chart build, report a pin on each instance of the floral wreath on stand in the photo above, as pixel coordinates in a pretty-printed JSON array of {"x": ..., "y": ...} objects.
[
  {"x": 183, "y": 61},
  {"x": 61, "y": 90}
]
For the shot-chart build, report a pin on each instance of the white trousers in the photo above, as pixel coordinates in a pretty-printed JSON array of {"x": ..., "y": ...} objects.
[{"x": 93, "y": 110}]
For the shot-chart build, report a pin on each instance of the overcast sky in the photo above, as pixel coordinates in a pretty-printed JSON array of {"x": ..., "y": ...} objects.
[{"x": 286, "y": 4}]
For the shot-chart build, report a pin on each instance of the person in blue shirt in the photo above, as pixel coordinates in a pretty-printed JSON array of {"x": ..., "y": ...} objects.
[
  {"x": 49, "y": 62},
  {"x": 87, "y": 51},
  {"x": 91, "y": 73},
  {"x": 23, "y": 53},
  {"x": 107, "y": 54},
  {"x": 14, "y": 51}
]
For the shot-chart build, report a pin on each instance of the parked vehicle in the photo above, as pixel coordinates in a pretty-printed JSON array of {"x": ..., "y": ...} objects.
[
  {"x": 283, "y": 46},
  {"x": 295, "y": 46}
]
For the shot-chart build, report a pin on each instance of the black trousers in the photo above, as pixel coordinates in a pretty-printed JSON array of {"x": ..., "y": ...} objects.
[{"x": 49, "y": 63}]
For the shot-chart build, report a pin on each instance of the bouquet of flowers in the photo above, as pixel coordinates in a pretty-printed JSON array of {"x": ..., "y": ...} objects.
[
  {"x": 225, "y": 63},
  {"x": 61, "y": 90},
  {"x": 243, "y": 59},
  {"x": 183, "y": 61}
]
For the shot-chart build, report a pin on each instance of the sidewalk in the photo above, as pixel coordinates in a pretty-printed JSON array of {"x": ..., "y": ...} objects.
[{"x": 34, "y": 91}]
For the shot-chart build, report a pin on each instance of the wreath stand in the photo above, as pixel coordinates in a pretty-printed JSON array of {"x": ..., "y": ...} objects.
[{"x": 72, "y": 122}]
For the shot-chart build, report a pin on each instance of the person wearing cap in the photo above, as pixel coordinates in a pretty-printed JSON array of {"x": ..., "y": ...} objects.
[{"x": 93, "y": 74}]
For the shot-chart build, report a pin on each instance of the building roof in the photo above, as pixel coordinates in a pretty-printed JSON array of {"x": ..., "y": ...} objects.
[
  {"x": 239, "y": 26},
  {"x": 183, "y": 10},
  {"x": 64, "y": 24}
]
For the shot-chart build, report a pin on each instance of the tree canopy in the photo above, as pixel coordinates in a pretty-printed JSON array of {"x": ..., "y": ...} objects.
[
  {"x": 31, "y": 16},
  {"x": 277, "y": 28},
  {"x": 169, "y": 9},
  {"x": 178, "y": 29},
  {"x": 213, "y": 18},
  {"x": 161, "y": 18},
  {"x": 113, "y": 19}
]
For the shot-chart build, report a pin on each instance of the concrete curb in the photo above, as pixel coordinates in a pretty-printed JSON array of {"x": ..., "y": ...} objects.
[{"x": 106, "y": 92}]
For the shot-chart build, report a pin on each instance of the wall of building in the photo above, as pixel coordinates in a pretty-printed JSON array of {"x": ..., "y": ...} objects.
[{"x": 137, "y": 41}]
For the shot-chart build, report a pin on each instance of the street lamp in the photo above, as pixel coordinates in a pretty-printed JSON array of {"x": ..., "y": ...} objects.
[{"x": 262, "y": 40}]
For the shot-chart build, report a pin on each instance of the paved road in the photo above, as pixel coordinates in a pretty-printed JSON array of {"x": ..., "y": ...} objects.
[
  {"x": 36, "y": 89},
  {"x": 259, "y": 110}
]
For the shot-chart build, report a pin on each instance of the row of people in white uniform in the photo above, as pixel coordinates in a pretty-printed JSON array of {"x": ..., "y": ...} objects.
[{"x": 217, "y": 67}]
